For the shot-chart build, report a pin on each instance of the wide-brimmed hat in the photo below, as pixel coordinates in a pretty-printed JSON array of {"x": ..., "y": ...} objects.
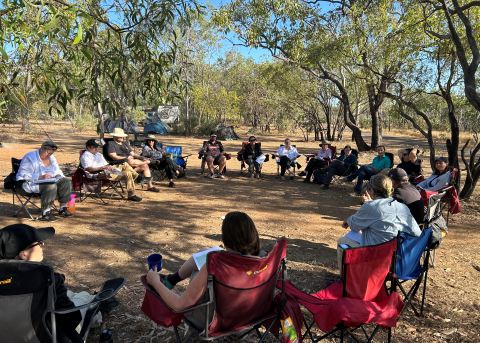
[
  {"x": 118, "y": 132},
  {"x": 151, "y": 138},
  {"x": 17, "y": 237},
  {"x": 324, "y": 142}
]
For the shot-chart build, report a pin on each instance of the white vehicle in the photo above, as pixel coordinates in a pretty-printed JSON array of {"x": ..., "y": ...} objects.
[{"x": 163, "y": 114}]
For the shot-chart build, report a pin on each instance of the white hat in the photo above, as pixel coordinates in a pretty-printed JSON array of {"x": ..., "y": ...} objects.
[{"x": 118, "y": 132}]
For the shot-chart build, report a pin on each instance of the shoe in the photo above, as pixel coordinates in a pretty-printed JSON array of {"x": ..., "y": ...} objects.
[
  {"x": 257, "y": 175},
  {"x": 283, "y": 178},
  {"x": 291, "y": 177},
  {"x": 48, "y": 217},
  {"x": 325, "y": 186},
  {"x": 330, "y": 280},
  {"x": 302, "y": 173},
  {"x": 171, "y": 184},
  {"x": 181, "y": 173},
  {"x": 306, "y": 181},
  {"x": 153, "y": 189},
  {"x": 252, "y": 175},
  {"x": 220, "y": 176},
  {"x": 344, "y": 179},
  {"x": 64, "y": 213},
  {"x": 354, "y": 194},
  {"x": 135, "y": 198},
  {"x": 211, "y": 176},
  {"x": 166, "y": 282}
]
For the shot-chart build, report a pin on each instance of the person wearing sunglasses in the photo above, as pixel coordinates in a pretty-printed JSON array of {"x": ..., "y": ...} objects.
[
  {"x": 251, "y": 153},
  {"x": 41, "y": 165},
  {"x": 410, "y": 163},
  {"x": 24, "y": 242}
]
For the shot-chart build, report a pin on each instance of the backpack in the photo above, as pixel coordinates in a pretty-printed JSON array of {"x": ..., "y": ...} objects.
[
  {"x": 439, "y": 226},
  {"x": 317, "y": 177},
  {"x": 9, "y": 182},
  {"x": 291, "y": 318}
]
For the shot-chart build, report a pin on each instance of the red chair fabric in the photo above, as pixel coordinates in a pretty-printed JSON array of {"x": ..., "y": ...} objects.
[
  {"x": 450, "y": 197},
  {"x": 362, "y": 297}
]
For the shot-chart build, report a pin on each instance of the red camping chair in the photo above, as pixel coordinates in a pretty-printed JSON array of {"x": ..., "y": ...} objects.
[
  {"x": 87, "y": 186},
  {"x": 241, "y": 288},
  {"x": 360, "y": 299},
  {"x": 241, "y": 159},
  {"x": 201, "y": 155},
  {"x": 327, "y": 162}
]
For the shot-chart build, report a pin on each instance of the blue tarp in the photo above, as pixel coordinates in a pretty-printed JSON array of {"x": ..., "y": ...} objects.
[
  {"x": 155, "y": 127},
  {"x": 111, "y": 125}
]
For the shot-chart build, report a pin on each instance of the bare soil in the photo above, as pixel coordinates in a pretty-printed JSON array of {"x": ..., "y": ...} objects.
[{"x": 108, "y": 241}]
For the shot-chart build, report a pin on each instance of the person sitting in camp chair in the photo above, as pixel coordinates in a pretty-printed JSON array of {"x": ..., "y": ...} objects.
[
  {"x": 410, "y": 163},
  {"x": 340, "y": 166},
  {"x": 325, "y": 154},
  {"x": 163, "y": 162},
  {"x": 288, "y": 155},
  {"x": 368, "y": 170},
  {"x": 441, "y": 177},
  {"x": 380, "y": 219},
  {"x": 215, "y": 153},
  {"x": 24, "y": 242},
  {"x": 41, "y": 165},
  {"x": 251, "y": 153},
  {"x": 120, "y": 152},
  {"x": 96, "y": 167},
  {"x": 239, "y": 234}
]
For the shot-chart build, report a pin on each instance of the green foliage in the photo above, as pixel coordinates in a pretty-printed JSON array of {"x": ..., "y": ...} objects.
[
  {"x": 85, "y": 122},
  {"x": 208, "y": 126}
]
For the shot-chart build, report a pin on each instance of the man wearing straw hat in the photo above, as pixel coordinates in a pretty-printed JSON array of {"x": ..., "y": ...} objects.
[{"x": 120, "y": 152}]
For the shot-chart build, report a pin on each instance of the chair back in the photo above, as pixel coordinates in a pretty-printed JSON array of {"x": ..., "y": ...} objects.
[
  {"x": 243, "y": 286},
  {"x": 26, "y": 294},
  {"x": 409, "y": 254},
  {"x": 364, "y": 270},
  {"x": 390, "y": 157},
  {"x": 334, "y": 150},
  {"x": 105, "y": 142},
  {"x": 15, "y": 165},
  {"x": 354, "y": 152},
  {"x": 176, "y": 152}
]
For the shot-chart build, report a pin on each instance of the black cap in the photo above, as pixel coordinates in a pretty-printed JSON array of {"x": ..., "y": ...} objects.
[
  {"x": 398, "y": 174},
  {"x": 213, "y": 134},
  {"x": 16, "y": 238},
  {"x": 49, "y": 145},
  {"x": 443, "y": 159},
  {"x": 92, "y": 142}
]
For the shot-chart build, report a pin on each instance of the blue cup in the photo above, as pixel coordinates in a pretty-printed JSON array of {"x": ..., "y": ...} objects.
[{"x": 155, "y": 260}]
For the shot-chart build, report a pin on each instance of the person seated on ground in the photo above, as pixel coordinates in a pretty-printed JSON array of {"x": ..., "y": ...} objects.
[
  {"x": 24, "y": 242},
  {"x": 96, "y": 167},
  {"x": 214, "y": 153},
  {"x": 325, "y": 154},
  {"x": 380, "y": 219},
  {"x": 160, "y": 160},
  {"x": 120, "y": 152},
  {"x": 410, "y": 162},
  {"x": 288, "y": 154},
  {"x": 251, "y": 153},
  {"x": 339, "y": 166},
  {"x": 42, "y": 165},
  {"x": 441, "y": 177},
  {"x": 239, "y": 234},
  {"x": 405, "y": 193},
  {"x": 368, "y": 170}
]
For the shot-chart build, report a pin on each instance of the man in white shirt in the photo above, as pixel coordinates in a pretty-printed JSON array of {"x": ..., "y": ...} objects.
[{"x": 96, "y": 167}]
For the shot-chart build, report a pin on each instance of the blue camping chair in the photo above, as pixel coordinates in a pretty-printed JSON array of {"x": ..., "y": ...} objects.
[
  {"x": 177, "y": 157},
  {"x": 413, "y": 265}
]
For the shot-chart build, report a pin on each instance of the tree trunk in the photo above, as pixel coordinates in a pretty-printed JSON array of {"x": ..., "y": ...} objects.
[{"x": 472, "y": 169}]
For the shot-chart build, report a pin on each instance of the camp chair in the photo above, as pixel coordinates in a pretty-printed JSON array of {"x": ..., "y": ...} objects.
[
  {"x": 351, "y": 169},
  {"x": 360, "y": 298},
  {"x": 138, "y": 140},
  {"x": 412, "y": 264},
  {"x": 87, "y": 186},
  {"x": 176, "y": 153},
  {"x": 242, "y": 160},
  {"x": 331, "y": 147},
  {"x": 293, "y": 164},
  {"x": 201, "y": 155},
  {"x": 24, "y": 200},
  {"x": 27, "y": 300},
  {"x": 241, "y": 289}
]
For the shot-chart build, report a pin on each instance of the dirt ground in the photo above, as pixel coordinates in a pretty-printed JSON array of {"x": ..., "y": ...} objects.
[{"x": 108, "y": 241}]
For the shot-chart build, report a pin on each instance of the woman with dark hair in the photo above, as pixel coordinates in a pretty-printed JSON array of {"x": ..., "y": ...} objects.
[
  {"x": 251, "y": 153},
  {"x": 152, "y": 151},
  {"x": 440, "y": 178},
  {"x": 239, "y": 234}
]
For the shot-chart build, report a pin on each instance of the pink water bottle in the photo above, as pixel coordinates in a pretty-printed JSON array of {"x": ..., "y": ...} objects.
[{"x": 71, "y": 204}]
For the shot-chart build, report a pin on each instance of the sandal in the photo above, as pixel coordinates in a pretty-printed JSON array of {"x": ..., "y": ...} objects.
[{"x": 153, "y": 189}]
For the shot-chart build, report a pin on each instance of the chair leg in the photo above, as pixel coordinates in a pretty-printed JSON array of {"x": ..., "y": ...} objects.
[{"x": 424, "y": 291}]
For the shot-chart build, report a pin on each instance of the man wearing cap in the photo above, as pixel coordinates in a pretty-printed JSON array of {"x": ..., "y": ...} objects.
[
  {"x": 23, "y": 242},
  {"x": 405, "y": 193},
  {"x": 120, "y": 152},
  {"x": 215, "y": 153},
  {"x": 325, "y": 154},
  {"x": 93, "y": 162},
  {"x": 42, "y": 165}
]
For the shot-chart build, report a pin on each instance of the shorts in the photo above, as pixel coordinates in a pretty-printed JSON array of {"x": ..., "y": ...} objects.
[{"x": 216, "y": 159}]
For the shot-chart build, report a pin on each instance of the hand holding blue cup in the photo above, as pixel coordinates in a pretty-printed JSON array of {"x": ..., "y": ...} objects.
[{"x": 155, "y": 260}]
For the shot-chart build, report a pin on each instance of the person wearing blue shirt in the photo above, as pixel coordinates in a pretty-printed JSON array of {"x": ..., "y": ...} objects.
[
  {"x": 380, "y": 219},
  {"x": 339, "y": 166},
  {"x": 368, "y": 170}
]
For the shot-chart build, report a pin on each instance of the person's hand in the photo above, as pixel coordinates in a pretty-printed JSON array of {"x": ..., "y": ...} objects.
[
  {"x": 153, "y": 278},
  {"x": 45, "y": 177},
  {"x": 364, "y": 198},
  {"x": 110, "y": 168},
  {"x": 58, "y": 175},
  {"x": 345, "y": 225},
  {"x": 130, "y": 157},
  {"x": 375, "y": 169},
  {"x": 249, "y": 156}
]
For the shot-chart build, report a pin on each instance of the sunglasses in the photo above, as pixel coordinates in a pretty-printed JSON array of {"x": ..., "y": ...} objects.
[
  {"x": 40, "y": 243},
  {"x": 405, "y": 154},
  {"x": 252, "y": 140}
]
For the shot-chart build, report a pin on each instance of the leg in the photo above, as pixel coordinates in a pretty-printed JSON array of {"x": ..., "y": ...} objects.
[
  {"x": 222, "y": 162},
  {"x": 355, "y": 174},
  {"x": 167, "y": 166},
  {"x": 64, "y": 191},
  {"x": 185, "y": 271},
  {"x": 209, "y": 160},
  {"x": 340, "y": 250},
  {"x": 250, "y": 163},
  {"x": 284, "y": 162},
  {"x": 257, "y": 167},
  {"x": 367, "y": 172},
  {"x": 129, "y": 175},
  {"x": 49, "y": 195}
]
